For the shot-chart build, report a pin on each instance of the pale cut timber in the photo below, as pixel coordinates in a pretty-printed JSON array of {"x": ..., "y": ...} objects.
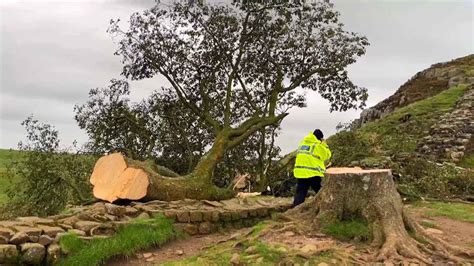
[
  {"x": 354, "y": 170},
  {"x": 107, "y": 168},
  {"x": 134, "y": 184},
  {"x": 116, "y": 177},
  {"x": 113, "y": 180}
]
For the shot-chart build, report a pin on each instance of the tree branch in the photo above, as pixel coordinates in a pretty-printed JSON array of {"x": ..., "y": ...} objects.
[
  {"x": 235, "y": 67},
  {"x": 196, "y": 110},
  {"x": 283, "y": 162},
  {"x": 248, "y": 96},
  {"x": 261, "y": 123},
  {"x": 277, "y": 88},
  {"x": 301, "y": 79}
]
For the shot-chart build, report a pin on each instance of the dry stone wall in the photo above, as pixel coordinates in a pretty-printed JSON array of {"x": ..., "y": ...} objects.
[
  {"x": 453, "y": 134},
  {"x": 35, "y": 240}
]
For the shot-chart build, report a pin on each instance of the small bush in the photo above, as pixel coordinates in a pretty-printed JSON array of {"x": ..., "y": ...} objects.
[
  {"x": 47, "y": 177},
  {"x": 422, "y": 178},
  {"x": 349, "y": 146}
]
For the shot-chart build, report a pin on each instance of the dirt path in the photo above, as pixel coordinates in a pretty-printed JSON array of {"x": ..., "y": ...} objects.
[
  {"x": 456, "y": 232},
  {"x": 174, "y": 250},
  {"x": 452, "y": 231}
]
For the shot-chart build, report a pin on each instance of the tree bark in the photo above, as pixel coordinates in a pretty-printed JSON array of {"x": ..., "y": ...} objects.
[
  {"x": 271, "y": 174},
  {"x": 116, "y": 177},
  {"x": 205, "y": 167},
  {"x": 371, "y": 195}
]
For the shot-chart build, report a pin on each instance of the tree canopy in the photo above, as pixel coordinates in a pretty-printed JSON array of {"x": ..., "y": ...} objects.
[
  {"x": 215, "y": 56},
  {"x": 239, "y": 67}
]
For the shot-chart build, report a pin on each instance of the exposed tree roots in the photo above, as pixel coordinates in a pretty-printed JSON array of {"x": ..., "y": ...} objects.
[{"x": 373, "y": 198}]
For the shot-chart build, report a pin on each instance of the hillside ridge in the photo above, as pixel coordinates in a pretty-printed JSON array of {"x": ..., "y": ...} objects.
[{"x": 424, "y": 84}]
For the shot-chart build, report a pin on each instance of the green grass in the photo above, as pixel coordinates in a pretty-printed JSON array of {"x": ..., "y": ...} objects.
[
  {"x": 348, "y": 230},
  {"x": 269, "y": 253},
  {"x": 256, "y": 229},
  {"x": 71, "y": 244},
  {"x": 394, "y": 135},
  {"x": 5, "y": 184},
  {"x": 7, "y": 157},
  {"x": 128, "y": 240},
  {"x": 398, "y": 132},
  {"x": 428, "y": 224},
  {"x": 457, "y": 211},
  {"x": 467, "y": 161}
]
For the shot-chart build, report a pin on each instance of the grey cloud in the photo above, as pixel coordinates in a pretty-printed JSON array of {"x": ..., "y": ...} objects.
[
  {"x": 52, "y": 52},
  {"x": 16, "y": 108},
  {"x": 301, "y": 121}
]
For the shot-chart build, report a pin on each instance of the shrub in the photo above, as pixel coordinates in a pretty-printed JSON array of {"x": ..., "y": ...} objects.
[
  {"x": 348, "y": 146},
  {"x": 48, "y": 177},
  {"x": 425, "y": 178}
]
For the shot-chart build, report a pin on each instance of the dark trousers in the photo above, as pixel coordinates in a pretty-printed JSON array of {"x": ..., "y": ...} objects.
[{"x": 303, "y": 186}]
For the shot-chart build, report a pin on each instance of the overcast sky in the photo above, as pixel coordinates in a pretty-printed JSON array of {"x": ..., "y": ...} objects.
[{"x": 53, "y": 52}]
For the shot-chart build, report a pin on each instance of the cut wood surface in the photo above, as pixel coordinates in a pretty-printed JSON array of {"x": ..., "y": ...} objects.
[
  {"x": 354, "y": 170},
  {"x": 115, "y": 177}
]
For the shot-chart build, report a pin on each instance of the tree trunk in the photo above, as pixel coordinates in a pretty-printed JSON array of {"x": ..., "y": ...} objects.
[
  {"x": 205, "y": 167},
  {"x": 272, "y": 174},
  {"x": 371, "y": 195},
  {"x": 116, "y": 177}
]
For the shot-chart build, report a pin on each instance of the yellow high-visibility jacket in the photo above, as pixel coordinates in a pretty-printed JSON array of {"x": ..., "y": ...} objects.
[{"x": 310, "y": 158}]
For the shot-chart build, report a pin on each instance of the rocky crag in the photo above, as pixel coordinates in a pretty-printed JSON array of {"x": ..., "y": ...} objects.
[
  {"x": 35, "y": 240},
  {"x": 452, "y": 137},
  {"x": 424, "y": 84}
]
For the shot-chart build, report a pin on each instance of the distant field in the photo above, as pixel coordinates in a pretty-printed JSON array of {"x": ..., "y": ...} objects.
[{"x": 7, "y": 157}]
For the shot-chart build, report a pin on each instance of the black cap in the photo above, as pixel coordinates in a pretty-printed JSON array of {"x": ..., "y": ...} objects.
[{"x": 318, "y": 133}]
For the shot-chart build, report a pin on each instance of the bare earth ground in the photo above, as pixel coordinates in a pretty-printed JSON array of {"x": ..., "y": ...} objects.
[{"x": 453, "y": 231}]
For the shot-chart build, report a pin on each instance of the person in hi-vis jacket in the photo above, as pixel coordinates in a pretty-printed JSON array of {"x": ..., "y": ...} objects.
[{"x": 312, "y": 154}]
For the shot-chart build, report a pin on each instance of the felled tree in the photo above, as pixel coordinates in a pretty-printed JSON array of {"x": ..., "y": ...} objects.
[
  {"x": 148, "y": 129},
  {"x": 184, "y": 136},
  {"x": 238, "y": 66},
  {"x": 255, "y": 156},
  {"x": 114, "y": 124},
  {"x": 371, "y": 195}
]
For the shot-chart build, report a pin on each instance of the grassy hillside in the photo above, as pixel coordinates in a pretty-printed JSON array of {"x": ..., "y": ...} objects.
[
  {"x": 6, "y": 158},
  {"x": 397, "y": 134},
  {"x": 391, "y": 142}
]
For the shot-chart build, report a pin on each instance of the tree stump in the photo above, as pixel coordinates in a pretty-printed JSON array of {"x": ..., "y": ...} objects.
[
  {"x": 116, "y": 177},
  {"x": 371, "y": 195}
]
